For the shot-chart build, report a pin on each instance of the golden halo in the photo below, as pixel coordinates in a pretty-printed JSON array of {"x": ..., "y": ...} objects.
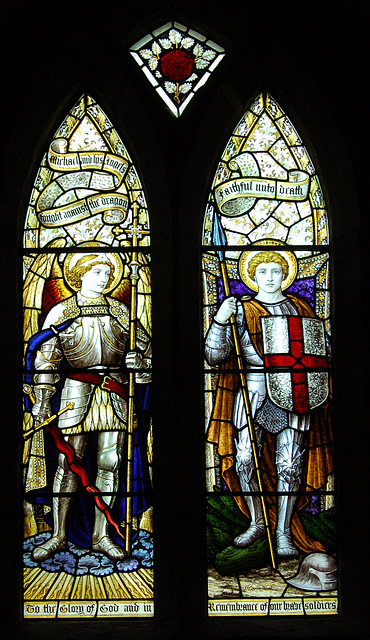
[
  {"x": 72, "y": 258},
  {"x": 289, "y": 256}
]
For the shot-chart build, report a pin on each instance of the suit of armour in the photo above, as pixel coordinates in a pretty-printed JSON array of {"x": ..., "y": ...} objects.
[
  {"x": 288, "y": 427},
  {"x": 93, "y": 346}
]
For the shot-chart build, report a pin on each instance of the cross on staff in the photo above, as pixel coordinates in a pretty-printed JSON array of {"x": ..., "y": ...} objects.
[{"x": 135, "y": 231}]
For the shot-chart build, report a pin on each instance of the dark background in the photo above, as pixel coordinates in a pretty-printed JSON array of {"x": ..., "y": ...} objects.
[{"x": 313, "y": 58}]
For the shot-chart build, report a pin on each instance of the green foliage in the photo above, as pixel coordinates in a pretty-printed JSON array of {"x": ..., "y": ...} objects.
[
  {"x": 234, "y": 560},
  {"x": 321, "y": 527},
  {"x": 212, "y": 545},
  {"x": 225, "y": 506},
  {"x": 225, "y": 521}
]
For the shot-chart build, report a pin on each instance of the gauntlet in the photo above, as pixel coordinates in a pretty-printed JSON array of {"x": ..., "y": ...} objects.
[{"x": 42, "y": 406}]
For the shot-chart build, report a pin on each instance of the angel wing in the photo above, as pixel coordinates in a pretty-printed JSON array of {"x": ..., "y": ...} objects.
[
  {"x": 43, "y": 287},
  {"x": 144, "y": 300},
  {"x": 122, "y": 291}
]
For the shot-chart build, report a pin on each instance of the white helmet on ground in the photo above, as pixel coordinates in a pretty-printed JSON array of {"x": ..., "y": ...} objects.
[{"x": 318, "y": 572}]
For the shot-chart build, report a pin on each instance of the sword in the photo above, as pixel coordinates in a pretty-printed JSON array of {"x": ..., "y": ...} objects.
[
  {"x": 219, "y": 238},
  {"x": 64, "y": 447},
  {"x": 28, "y": 390}
]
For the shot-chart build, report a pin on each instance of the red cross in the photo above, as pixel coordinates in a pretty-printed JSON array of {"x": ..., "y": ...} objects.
[{"x": 297, "y": 361}]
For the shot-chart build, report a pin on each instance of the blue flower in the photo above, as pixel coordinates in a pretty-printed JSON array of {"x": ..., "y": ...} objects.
[
  {"x": 35, "y": 541},
  {"x": 28, "y": 562},
  {"x": 129, "y": 564},
  {"x": 106, "y": 567},
  {"x": 144, "y": 540},
  {"x": 63, "y": 560},
  {"x": 51, "y": 565},
  {"x": 77, "y": 551},
  {"x": 87, "y": 563},
  {"x": 144, "y": 556},
  {"x": 147, "y": 563}
]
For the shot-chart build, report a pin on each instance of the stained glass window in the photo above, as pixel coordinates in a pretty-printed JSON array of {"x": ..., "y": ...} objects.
[
  {"x": 177, "y": 61},
  {"x": 267, "y": 389},
  {"x": 88, "y": 549}
]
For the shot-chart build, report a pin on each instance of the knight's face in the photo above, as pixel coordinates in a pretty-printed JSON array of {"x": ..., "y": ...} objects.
[
  {"x": 269, "y": 277},
  {"x": 94, "y": 281}
]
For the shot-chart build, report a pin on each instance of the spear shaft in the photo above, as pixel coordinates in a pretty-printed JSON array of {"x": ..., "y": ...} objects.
[
  {"x": 244, "y": 387},
  {"x": 134, "y": 276}
]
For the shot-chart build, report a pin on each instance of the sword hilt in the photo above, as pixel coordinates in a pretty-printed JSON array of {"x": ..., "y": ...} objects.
[{"x": 29, "y": 391}]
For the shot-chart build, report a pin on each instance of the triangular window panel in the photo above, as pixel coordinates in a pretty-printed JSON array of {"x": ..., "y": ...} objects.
[
  {"x": 267, "y": 389},
  {"x": 177, "y": 61},
  {"x": 88, "y": 549}
]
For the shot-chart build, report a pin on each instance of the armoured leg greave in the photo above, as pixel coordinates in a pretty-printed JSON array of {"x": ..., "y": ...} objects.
[
  {"x": 257, "y": 526},
  {"x": 65, "y": 482},
  {"x": 289, "y": 466},
  {"x": 107, "y": 482},
  {"x": 109, "y": 459},
  {"x": 248, "y": 484},
  {"x": 64, "y": 486}
]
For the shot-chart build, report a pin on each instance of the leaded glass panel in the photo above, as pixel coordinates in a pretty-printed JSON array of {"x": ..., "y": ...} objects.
[
  {"x": 267, "y": 383},
  {"x": 88, "y": 549},
  {"x": 177, "y": 61}
]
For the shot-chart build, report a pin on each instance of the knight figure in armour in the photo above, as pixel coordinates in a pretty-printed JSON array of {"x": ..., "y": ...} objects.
[
  {"x": 92, "y": 347},
  {"x": 271, "y": 325}
]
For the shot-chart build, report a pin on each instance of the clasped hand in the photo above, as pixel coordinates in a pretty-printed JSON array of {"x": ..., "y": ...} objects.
[
  {"x": 227, "y": 308},
  {"x": 134, "y": 360}
]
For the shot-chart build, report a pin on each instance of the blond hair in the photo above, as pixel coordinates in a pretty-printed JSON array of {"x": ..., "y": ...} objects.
[
  {"x": 84, "y": 265},
  {"x": 266, "y": 257}
]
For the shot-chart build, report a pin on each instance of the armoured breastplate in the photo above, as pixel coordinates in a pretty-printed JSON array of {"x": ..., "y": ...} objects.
[{"x": 93, "y": 340}]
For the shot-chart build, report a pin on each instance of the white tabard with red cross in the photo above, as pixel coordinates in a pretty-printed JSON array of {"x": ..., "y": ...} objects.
[{"x": 296, "y": 362}]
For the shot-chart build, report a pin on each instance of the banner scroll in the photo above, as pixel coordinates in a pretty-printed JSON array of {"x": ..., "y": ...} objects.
[
  {"x": 235, "y": 197},
  {"x": 96, "y": 171}
]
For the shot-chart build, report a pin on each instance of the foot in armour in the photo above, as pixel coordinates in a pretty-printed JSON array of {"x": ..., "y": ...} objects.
[
  {"x": 46, "y": 550},
  {"x": 284, "y": 546},
  {"x": 253, "y": 532},
  {"x": 112, "y": 550}
]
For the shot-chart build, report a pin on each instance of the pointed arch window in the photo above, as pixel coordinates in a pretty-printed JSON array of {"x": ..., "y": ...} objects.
[
  {"x": 87, "y": 457},
  {"x": 266, "y": 310}
]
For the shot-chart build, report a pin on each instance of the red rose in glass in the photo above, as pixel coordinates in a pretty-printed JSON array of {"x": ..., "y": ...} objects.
[{"x": 176, "y": 65}]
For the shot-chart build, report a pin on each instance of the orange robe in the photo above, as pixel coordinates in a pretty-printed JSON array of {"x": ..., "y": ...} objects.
[{"x": 221, "y": 432}]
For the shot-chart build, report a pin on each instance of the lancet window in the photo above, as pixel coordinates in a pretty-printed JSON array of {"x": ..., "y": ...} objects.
[
  {"x": 267, "y": 387},
  {"x": 87, "y": 458}
]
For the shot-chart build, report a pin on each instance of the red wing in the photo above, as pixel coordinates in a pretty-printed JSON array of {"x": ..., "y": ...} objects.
[
  {"x": 122, "y": 292},
  {"x": 54, "y": 291}
]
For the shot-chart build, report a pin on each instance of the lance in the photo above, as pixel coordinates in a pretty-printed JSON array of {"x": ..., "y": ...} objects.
[
  {"x": 219, "y": 238},
  {"x": 134, "y": 276}
]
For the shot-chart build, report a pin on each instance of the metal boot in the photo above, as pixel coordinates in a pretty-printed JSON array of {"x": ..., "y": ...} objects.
[
  {"x": 64, "y": 488},
  {"x": 257, "y": 526},
  {"x": 65, "y": 482},
  {"x": 109, "y": 458},
  {"x": 107, "y": 482}
]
